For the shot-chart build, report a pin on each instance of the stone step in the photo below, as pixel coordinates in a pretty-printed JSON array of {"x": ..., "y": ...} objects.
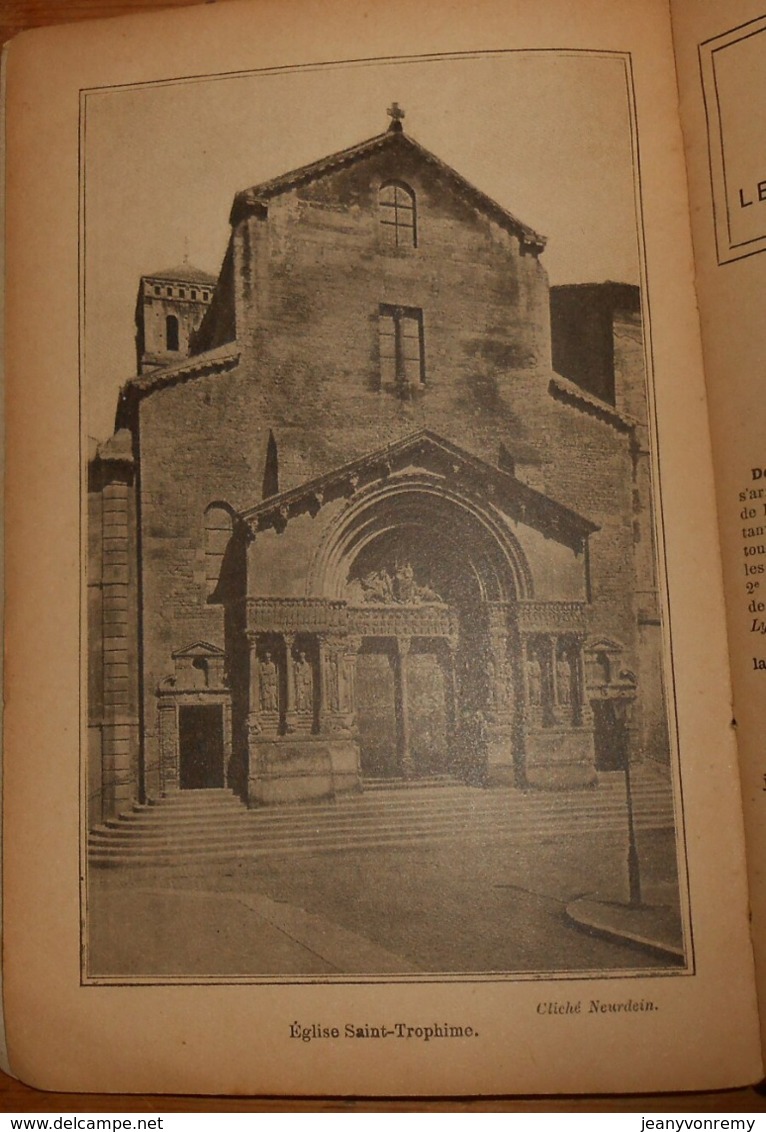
[
  {"x": 195, "y": 798},
  {"x": 161, "y": 834},
  {"x": 334, "y": 827},
  {"x": 357, "y": 807},
  {"x": 172, "y": 856},
  {"x": 398, "y": 783},
  {"x": 361, "y": 839}
]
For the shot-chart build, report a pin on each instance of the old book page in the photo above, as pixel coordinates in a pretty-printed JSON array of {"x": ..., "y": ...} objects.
[
  {"x": 382, "y": 737},
  {"x": 721, "y": 56}
]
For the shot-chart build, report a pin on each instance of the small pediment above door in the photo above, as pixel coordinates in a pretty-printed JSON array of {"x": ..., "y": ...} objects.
[
  {"x": 198, "y": 666},
  {"x": 197, "y": 648}
]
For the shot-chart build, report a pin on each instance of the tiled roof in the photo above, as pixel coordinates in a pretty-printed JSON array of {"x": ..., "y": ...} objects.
[
  {"x": 186, "y": 273},
  {"x": 569, "y": 392},
  {"x": 219, "y": 360}
]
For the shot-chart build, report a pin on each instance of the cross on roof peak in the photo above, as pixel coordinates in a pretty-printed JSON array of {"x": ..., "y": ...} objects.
[{"x": 396, "y": 114}]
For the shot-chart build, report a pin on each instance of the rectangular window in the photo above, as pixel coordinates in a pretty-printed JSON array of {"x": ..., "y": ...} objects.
[{"x": 401, "y": 345}]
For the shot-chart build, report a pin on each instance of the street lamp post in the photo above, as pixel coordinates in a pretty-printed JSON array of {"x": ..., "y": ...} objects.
[{"x": 622, "y": 707}]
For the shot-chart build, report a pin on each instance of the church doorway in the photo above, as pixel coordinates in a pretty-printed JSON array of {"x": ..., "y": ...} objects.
[
  {"x": 376, "y": 706},
  {"x": 423, "y": 582},
  {"x": 403, "y": 708},
  {"x": 427, "y": 696},
  {"x": 200, "y": 746}
]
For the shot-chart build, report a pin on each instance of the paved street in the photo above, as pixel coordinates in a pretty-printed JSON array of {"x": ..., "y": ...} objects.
[{"x": 472, "y": 906}]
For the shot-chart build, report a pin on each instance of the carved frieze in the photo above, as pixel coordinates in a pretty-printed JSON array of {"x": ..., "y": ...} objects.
[
  {"x": 404, "y": 621},
  {"x": 551, "y": 616},
  {"x": 295, "y": 615}
]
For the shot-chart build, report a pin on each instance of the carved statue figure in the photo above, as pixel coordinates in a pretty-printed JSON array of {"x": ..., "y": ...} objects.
[
  {"x": 346, "y": 684},
  {"x": 535, "y": 681},
  {"x": 402, "y": 589},
  {"x": 303, "y": 682},
  {"x": 332, "y": 682},
  {"x": 404, "y": 584},
  {"x": 268, "y": 684},
  {"x": 377, "y": 586}
]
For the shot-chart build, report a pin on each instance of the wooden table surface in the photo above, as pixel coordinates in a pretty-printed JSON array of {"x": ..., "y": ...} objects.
[{"x": 16, "y": 16}]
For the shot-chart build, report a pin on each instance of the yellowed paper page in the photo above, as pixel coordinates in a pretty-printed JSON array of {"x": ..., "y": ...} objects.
[
  {"x": 365, "y": 733},
  {"x": 721, "y": 57},
  {"x": 3, "y": 1050}
]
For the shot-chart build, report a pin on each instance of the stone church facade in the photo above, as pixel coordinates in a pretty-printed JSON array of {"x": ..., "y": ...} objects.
[{"x": 355, "y": 524}]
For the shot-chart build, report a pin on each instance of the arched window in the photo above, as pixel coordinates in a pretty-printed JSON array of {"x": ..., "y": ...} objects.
[
  {"x": 171, "y": 332},
  {"x": 397, "y": 215}
]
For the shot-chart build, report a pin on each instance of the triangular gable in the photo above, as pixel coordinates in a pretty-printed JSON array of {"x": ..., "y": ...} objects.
[
  {"x": 516, "y": 499},
  {"x": 197, "y": 648},
  {"x": 603, "y": 644},
  {"x": 257, "y": 197}
]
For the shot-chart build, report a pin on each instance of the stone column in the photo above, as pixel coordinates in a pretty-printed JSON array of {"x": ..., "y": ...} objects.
[
  {"x": 537, "y": 680},
  {"x": 453, "y": 689},
  {"x": 118, "y": 785},
  {"x": 455, "y": 723},
  {"x": 254, "y": 725},
  {"x": 500, "y": 763},
  {"x": 582, "y": 715},
  {"x": 526, "y": 684},
  {"x": 553, "y": 682},
  {"x": 499, "y": 691},
  {"x": 328, "y": 698},
  {"x": 349, "y": 648},
  {"x": 291, "y": 718},
  {"x": 403, "y": 645},
  {"x": 169, "y": 755},
  {"x": 549, "y": 681}
]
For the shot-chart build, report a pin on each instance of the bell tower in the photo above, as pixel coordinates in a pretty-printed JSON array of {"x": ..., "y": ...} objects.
[{"x": 170, "y": 307}]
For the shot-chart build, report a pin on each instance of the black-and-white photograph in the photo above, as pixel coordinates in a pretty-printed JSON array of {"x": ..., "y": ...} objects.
[{"x": 378, "y": 658}]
